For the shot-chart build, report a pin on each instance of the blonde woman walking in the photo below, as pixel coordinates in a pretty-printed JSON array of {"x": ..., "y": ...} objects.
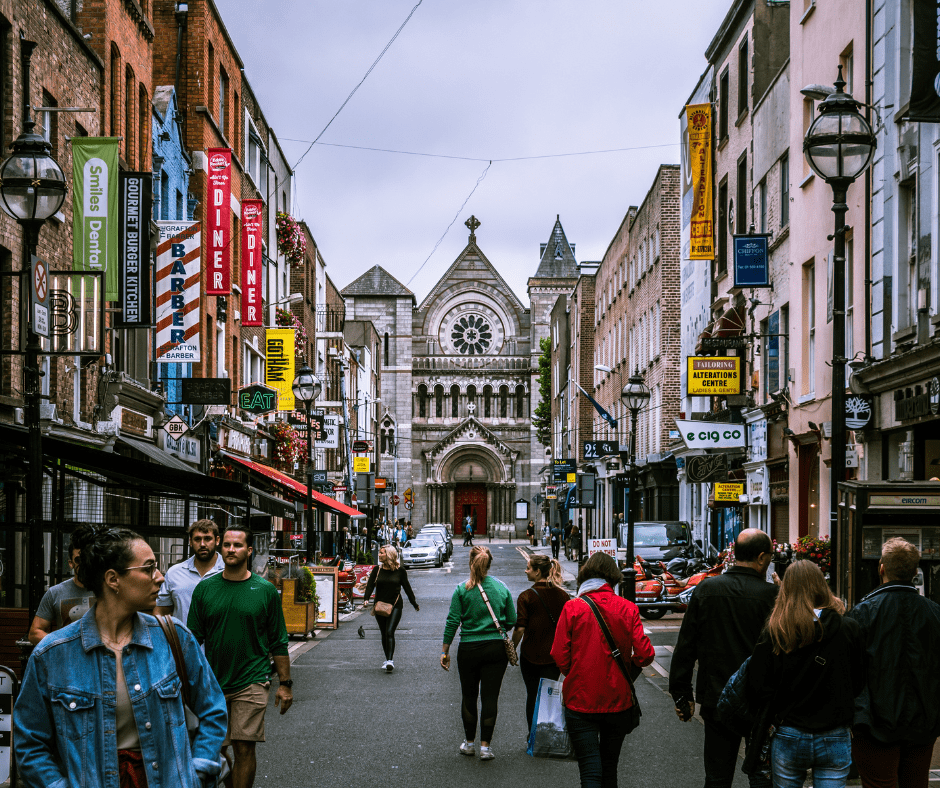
[
  {"x": 481, "y": 656},
  {"x": 389, "y": 579}
]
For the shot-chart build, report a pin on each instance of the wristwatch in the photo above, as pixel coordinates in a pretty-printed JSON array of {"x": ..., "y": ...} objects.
[{"x": 289, "y": 683}]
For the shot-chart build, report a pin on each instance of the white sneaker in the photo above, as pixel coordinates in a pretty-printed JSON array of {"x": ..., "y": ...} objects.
[
  {"x": 486, "y": 753},
  {"x": 389, "y": 666},
  {"x": 467, "y": 748},
  {"x": 385, "y": 665}
]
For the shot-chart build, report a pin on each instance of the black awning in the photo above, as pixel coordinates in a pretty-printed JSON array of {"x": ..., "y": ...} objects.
[{"x": 157, "y": 454}]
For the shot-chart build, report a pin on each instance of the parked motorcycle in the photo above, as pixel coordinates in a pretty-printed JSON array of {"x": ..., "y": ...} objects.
[{"x": 659, "y": 591}]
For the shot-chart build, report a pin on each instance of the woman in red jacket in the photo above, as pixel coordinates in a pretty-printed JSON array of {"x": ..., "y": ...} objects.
[{"x": 597, "y": 696}]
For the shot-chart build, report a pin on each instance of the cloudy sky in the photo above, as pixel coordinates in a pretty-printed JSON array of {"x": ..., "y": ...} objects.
[{"x": 479, "y": 81}]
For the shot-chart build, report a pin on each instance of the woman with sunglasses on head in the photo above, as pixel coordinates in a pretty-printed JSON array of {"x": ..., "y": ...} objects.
[{"x": 101, "y": 702}]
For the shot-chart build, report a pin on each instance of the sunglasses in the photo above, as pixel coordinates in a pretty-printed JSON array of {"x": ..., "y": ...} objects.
[{"x": 151, "y": 567}]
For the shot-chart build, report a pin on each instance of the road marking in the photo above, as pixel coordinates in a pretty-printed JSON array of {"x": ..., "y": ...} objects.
[
  {"x": 659, "y": 669},
  {"x": 662, "y": 651}
]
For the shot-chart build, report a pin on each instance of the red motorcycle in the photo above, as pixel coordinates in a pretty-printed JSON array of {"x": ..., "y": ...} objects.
[{"x": 659, "y": 592}]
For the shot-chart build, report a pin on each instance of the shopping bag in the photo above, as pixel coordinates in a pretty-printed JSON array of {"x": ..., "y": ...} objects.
[{"x": 548, "y": 737}]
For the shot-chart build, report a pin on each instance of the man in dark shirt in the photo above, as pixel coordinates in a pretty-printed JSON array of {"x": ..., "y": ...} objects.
[{"x": 719, "y": 630}]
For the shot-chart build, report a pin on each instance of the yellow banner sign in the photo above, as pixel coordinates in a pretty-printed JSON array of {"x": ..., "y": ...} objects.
[
  {"x": 699, "y": 118},
  {"x": 728, "y": 492},
  {"x": 279, "y": 365},
  {"x": 713, "y": 376},
  {"x": 360, "y": 464}
]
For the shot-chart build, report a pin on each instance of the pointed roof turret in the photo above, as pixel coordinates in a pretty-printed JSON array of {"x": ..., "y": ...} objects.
[
  {"x": 376, "y": 281},
  {"x": 558, "y": 261}
]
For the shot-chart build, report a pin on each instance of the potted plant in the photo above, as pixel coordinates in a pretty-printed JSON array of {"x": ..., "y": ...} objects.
[
  {"x": 287, "y": 319},
  {"x": 291, "y": 242},
  {"x": 815, "y": 549}
]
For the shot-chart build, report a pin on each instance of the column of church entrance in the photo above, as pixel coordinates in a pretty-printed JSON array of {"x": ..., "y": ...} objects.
[{"x": 449, "y": 503}]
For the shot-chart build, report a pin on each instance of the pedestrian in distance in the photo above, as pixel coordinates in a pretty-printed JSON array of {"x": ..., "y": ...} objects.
[
  {"x": 556, "y": 535},
  {"x": 530, "y": 532},
  {"x": 575, "y": 542},
  {"x": 897, "y": 714},
  {"x": 67, "y": 601},
  {"x": 808, "y": 665},
  {"x": 388, "y": 580},
  {"x": 176, "y": 593},
  {"x": 237, "y": 615},
  {"x": 410, "y": 531},
  {"x": 537, "y": 611},
  {"x": 545, "y": 535},
  {"x": 600, "y": 708},
  {"x": 100, "y": 702},
  {"x": 567, "y": 539},
  {"x": 481, "y": 656},
  {"x": 724, "y": 620}
]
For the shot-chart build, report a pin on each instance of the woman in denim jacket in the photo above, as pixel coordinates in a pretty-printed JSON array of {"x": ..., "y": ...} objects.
[{"x": 101, "y": 703}]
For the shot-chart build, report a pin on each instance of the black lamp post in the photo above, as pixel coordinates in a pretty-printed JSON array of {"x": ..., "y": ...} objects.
[
  {"x": 838, "y": 147},
  {"x": 307, "y": 388},
  {"x": 32, "y": 189},
  {"x": 635, "y": 395}
]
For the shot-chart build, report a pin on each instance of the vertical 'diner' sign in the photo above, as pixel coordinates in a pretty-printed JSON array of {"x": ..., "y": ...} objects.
[
  {"x": 251, "y": 263},
  {"x": 279, "y": 365},
  {"x": 95, "y": 208},
  {"x": 135, "y": 190},
  {"x": 177, "y": 287},
  {"x": 219, "y": 222},
  {"x": 699, "y": 119}
]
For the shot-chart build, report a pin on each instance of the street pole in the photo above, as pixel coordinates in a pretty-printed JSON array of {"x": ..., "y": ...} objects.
[
  {"x": 628, "y": 589},
  {"x": 308, "y": 520},
  {"x": 837, "y": 443},
  {"x": 395, "y": 480},
  {"x": 342, "y": 397}
]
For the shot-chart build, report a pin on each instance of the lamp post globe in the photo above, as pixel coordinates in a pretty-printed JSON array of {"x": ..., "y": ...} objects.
[
  {"x": 32, "y": 184},
  {"x": 635, "y": 394},
  {"x": 306, "y": 385}
]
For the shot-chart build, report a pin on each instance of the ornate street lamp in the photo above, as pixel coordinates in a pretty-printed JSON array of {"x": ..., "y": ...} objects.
[
  {"x": 32, "y": 189},
  {"x": 838, "y": 147},
  {"x": 635, "y": 396},
  {"x": 307, "y": 388}
]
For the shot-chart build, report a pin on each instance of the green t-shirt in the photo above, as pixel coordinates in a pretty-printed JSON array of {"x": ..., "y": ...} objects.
[{"x": 241, "y": 623}]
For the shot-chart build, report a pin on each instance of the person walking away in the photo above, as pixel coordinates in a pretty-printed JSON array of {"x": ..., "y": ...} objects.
[
  {"x": 556, "y": 534},
  {"x": 725, "y": 617},
  {"x": 238, "y": 616},
  {"x": 897, "y": 714},
  {"x": 466, "y": 530},
  {"x": 176, "y": 593},
  {"x": 808, "y": 664},
  {"x": 389, "y": 579},
  {"x": 530, "y": 532},
  {"x": 575, "y": 542},
  {"x": 545, "y": 535},
  {"x": 100, "y": 702},
  {"x": 481, "y": 656},
  {"x": 67, "y": 601},
  {"x": 537, "y": 611},
  {"x": 567, "y": 539},
  {"x": 600, "y": 709},
  {"x": 410, "y": 531}
]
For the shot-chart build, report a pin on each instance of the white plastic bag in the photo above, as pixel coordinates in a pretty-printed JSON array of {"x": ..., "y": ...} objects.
[{"x": 548, "y": 737}]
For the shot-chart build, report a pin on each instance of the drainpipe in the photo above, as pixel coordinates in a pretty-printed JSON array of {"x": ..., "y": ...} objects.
[
  {"x": 868, "y": 183},
  {"x": 182, "y": 9}
]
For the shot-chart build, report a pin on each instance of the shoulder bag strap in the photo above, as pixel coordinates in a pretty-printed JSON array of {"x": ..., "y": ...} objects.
[
  {"x": 547, "y": 610},
  {"x": 172, "y": 637},
  {"x": 614, "y": 651},
  {"x": 489, "y": 607}
]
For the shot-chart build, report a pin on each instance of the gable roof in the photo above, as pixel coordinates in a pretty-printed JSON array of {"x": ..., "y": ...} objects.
[
  {"x": 377, "y": 281},
  {"x": 557, "y": 261}
]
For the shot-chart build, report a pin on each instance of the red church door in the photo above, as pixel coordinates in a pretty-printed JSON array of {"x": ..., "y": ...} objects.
[{"x": 470, "y": 500}]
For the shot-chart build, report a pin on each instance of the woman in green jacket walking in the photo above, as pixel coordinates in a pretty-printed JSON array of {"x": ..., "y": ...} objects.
[{"x": 481, "y": 656}]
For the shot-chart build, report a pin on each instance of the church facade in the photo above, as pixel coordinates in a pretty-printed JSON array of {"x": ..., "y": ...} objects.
[{"x": 459, "y": 384}]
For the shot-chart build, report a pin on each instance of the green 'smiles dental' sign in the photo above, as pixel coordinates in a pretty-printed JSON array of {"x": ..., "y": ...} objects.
[{"x": 95, "y": 208}]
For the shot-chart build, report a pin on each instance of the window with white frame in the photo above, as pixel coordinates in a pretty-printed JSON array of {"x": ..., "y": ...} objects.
[
  {"x": 252, "y": 366},
  {"x": 254, "y": 153},
  {"x": 809, "y": 328}
]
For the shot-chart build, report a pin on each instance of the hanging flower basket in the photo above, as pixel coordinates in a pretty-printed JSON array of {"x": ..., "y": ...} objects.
[
  {"x": 286, "y": 319},
  {"x": 289, "y": 446},
  {"x": 291, "y": 242},
  {"x": 811, "y": 548}
]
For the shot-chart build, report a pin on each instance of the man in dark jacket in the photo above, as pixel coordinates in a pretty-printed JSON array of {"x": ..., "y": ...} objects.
[
  {"x": 897, "y": 715},
  {"x": 719, "y": 630}
]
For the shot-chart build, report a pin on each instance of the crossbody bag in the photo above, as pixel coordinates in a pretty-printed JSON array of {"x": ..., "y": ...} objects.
[
  {"x": 383, "y": 609},
  {"x": 510, "y": 647}
]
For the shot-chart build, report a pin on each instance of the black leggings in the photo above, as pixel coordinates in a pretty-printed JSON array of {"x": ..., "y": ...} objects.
[
  {"x": 532, "y": 674},
  {"x": 387, "y": 626},
  {"x": 481, "y": 667}
]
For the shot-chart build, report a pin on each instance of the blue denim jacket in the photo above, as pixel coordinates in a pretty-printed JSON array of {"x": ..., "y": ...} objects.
[{"x": 64, "y": 720}]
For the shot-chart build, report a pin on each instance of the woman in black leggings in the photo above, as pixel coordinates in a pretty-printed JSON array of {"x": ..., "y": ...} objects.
[
  {"x": 389, "y": 579},
  {"x": 481, "y": 657}
]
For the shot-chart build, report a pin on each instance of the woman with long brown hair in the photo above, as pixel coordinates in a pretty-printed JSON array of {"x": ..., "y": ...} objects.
[
  {"x": 808, "y": 664},
  {"x": 481, "y": 656},
  {"x": 537, "y": 612}
]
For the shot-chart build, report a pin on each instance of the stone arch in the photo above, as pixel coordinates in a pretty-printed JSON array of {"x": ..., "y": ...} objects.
[{"x": 456, "y": 464}]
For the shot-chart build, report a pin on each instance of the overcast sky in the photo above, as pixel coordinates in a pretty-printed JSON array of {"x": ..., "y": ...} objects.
[{"x": 485, "y": 79}]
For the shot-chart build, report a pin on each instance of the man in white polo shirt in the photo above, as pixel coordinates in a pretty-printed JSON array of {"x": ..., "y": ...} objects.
[{"x": 176, "y": 593}]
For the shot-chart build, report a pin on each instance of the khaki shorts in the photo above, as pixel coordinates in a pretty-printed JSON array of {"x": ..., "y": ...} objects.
[{"x": 246, "y": 713}]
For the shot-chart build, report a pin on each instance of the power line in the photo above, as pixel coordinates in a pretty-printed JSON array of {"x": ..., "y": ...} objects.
[{"x": 352, "y": 93}]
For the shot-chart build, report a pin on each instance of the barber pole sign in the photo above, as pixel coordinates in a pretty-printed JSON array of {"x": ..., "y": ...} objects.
[
  {"x": 177, "y": 287},
  {"x": 251, "y": 263},
  {"x": 219, "y": 222}
]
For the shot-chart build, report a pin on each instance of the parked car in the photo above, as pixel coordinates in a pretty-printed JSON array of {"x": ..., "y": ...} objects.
[
  {"x": 656, "y": 541},
  {"x": 423, "y": 551},
  {"x": 442, "y": 530}
]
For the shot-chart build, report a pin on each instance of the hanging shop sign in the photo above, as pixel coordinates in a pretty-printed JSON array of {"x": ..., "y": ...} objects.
[
  {"x": 699, "y": 118},
  {"x": 706, "y": 468},
  {"x": 257, "y": 399},
  {"x": 205, "y": 391},
  {"x": 95, "y": 208},
  {"x": 279, "y": 365},
  {"x": 317, "y": 421},
  {"x": 751, "y": 262},
  {"x": 728, "y": 492},
  {"x": 858, "y": 411},
  {"x": 595, "y": 449},
  {"x": 218, "y": 215},
  {"x": 925, "y": 64},
  {"x": 325, "y": 428},
  {"x": 711, "y": 434},
  {"x": 135, "y": 191},
  {"x": 381, "y": 483},
  {"x": 176, "y": 427},
  {"x": 922, "y": 400},
  {"x": 361, "y": 464},
  {"x": 562, "y": 467},
  {"x": 251, "y": 263},
  {"x": 713, "y": 376},
  {"x": 39, "y": 296},
  {"x": 361, "y": 446},
  {"x": 185, "y": 447},
  {"x": 177, "y": 278}
]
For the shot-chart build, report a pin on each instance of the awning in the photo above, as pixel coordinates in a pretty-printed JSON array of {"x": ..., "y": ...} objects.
[{"x": 157, "y": 454}]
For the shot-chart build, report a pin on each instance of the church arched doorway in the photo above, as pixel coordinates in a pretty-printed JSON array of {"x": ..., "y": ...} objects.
[{"x": 471, "y": 473}]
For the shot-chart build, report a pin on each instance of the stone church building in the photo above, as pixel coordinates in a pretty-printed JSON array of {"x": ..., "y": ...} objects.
[{"x": 460, "y": 385}]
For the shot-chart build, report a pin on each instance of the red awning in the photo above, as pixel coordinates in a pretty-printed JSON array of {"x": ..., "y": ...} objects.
[{"x": 282, "y": 478}]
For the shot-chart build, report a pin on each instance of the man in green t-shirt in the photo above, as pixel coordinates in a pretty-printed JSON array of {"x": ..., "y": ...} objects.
[{"x": 238, "y": 616}]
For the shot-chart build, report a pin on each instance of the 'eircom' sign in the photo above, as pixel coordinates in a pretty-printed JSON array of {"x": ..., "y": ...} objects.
[
  {"x": 714, "y": 376},
  {"x": 711, "y": 435}
]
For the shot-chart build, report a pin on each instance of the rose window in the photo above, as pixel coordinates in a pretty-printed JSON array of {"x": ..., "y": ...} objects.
[{"x": 471, "y": 335}]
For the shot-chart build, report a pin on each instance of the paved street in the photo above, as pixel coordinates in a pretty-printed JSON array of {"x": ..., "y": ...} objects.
[{"x": 352, "y": 723}]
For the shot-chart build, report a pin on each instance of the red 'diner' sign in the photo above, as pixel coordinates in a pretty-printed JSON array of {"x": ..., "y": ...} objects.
[
  {"x": 251, "y": 263},
  {"x": 219, "y": 222}
]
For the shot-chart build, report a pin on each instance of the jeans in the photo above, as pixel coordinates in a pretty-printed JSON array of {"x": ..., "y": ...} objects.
[
  {"x": 721, "y": 754},
  {"x": 597, "y": 740},
  {"x": 888, "y": 765},
  {"x": 794, "y": 751},
  {"x": 532, "y": 675},
  {"x": 481, "y": 666}
]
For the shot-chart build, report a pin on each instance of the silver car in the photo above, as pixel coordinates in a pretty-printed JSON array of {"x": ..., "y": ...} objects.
[
  {"x": 422, "y": 551},
  {"x": 431, "y": 530}
]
